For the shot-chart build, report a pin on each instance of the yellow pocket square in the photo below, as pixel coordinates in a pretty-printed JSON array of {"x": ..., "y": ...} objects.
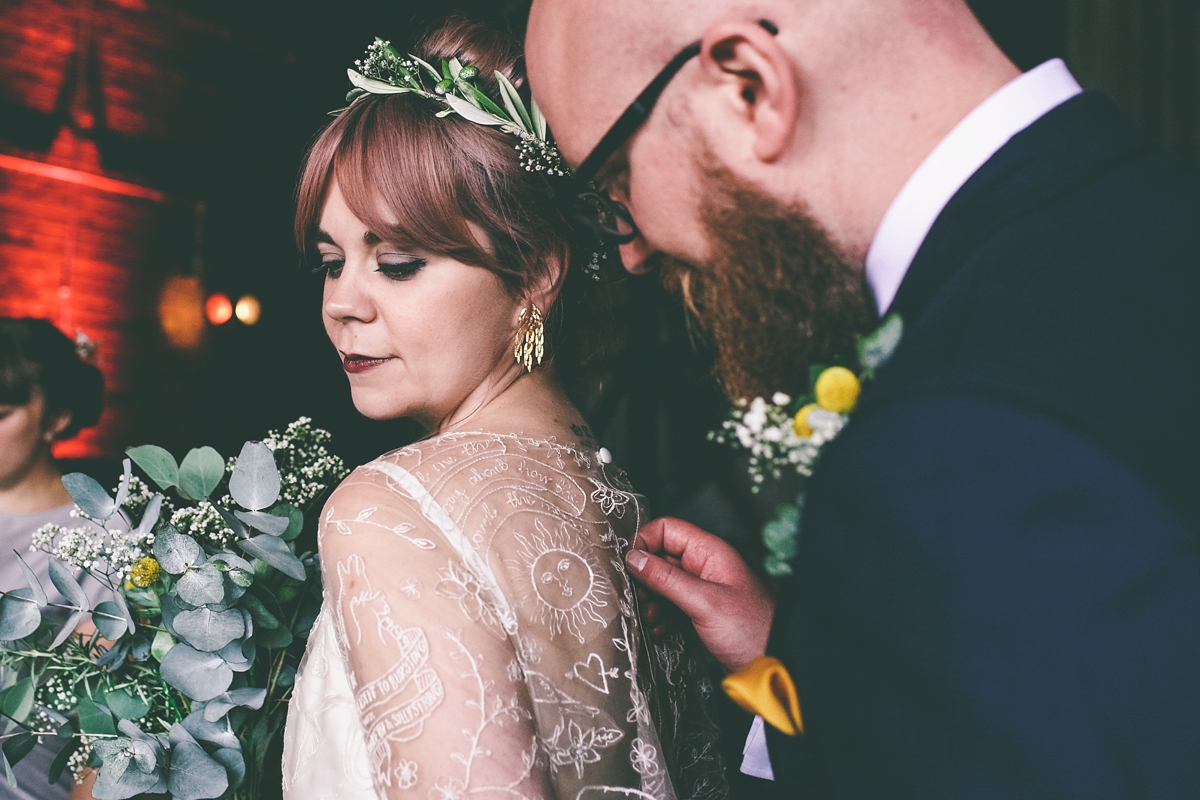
[{"x": 763, "y": 687}]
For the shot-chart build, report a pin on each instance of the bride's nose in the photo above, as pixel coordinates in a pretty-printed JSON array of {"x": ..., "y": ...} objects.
[{"x": 347, "y": 298}]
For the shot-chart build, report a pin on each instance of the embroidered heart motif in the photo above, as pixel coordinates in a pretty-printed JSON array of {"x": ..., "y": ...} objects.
[{"x": 594, "y": 676}]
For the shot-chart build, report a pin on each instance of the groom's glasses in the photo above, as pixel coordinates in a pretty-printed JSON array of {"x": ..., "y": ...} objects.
[{"x": 608, "y": 218}]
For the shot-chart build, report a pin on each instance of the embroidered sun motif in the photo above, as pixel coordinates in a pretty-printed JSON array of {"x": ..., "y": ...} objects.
[{"x": 569, "y": 590}]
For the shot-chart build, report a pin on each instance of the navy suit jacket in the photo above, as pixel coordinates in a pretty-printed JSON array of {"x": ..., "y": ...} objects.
[{"x": 997, "y": 591}]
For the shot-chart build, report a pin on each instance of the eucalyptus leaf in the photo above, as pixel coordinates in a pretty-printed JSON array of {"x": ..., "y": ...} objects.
[
  {"x": 171, "y": 606},
  {"x": 139, "y": 649},
  {"x": 200, "y": 676},
  {"x": 114, "y": 656},
  {"x": 876, "y": 348},
  {"x": 19, "y": 614},
  {"x": 60, "y": 761},
  {"x": 239, "y": 529},
  {"x": 95, "y": 719},
  {"x": 9, "y": 777},
  {"x": 69, "y": 627},
  {"x": 18, "y": 746},
  {"x": 200, "y": 472},
  {"x": 124, "y": 705},
  {"x": 217, "y": 730},
  {"x": 123, "y": 488},
  {"x": 150, "y": 515},
  {"x": 176, "y": 552},
  {"x": 123, "y": 607},
  {"x": 235, "y": 765},
  {"x": 201, "y": 585},
  {"x": 39, "y": 594},
  {"x": 295, "y": 520},
  {"x": 208, "y": 630},
  {"x": 89, "y": 495},
  {"x": 121, "y": 775},
  {"x": 195, "y": 775},
  {"x": 109, "y": 620},
  {"x": 254, "y": 483},
  {"x": 262, "y": 521},
  {"x": 16, "y": 702},
  {"x": 275, "y": 552},
  {"x": 64, "y": 580},
  {"x": 162, "y": 644},
  {"x": 157, "y": 463},
  {"x": 262, "y": 617},
  {"x": 239, "y": 655}
]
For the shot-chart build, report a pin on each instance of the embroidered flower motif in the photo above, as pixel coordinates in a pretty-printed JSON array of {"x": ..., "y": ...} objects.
[
  {"x": 611, "y": 501},
  {"x": 410, "y": 588},
  {"x": 583, "y": 746},
  {"x": 459, "y": 583},
  {"x": 644, "y": 757},
  {"x": 448, "y": 789},
  {"x": 406, "y": 774}
]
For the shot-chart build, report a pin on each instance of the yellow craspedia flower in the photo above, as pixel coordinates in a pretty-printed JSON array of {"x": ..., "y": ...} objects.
[
  {"x": 800, "y": 423},
  {"x": 145, "y": 572},
  {"x": 837, "y": 390}
]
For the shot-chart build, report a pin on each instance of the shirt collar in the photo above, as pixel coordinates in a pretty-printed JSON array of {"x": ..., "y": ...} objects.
[{"x": 1012, "y": 109}]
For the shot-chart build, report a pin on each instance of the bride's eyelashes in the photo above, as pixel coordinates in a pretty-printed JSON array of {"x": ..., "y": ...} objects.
[{"x": 400, "y": 268}]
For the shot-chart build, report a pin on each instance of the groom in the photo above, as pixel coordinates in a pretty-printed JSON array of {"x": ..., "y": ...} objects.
[{"x": 997, "y": 591}]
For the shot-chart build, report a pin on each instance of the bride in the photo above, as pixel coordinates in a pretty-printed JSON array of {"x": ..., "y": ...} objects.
[{"x": 479, "y": 635}]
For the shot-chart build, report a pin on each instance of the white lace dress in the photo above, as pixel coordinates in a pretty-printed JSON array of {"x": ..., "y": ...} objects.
[{"x": 479, "y": 638}]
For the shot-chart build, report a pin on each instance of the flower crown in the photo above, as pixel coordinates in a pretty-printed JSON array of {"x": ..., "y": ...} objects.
[{"x": 385, "y": 71}]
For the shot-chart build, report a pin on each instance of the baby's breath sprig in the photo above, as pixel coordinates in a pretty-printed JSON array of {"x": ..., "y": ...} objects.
[{"x": 384, "y": 70}]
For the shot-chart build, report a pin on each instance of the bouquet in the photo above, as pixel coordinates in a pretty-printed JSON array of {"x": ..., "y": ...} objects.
[
  {"x": 183, "y": 686},
  {"x": 788, "y": 435}
]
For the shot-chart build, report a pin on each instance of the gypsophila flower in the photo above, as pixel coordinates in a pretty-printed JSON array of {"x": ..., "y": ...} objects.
[
  {"x": 204, "y": 524},
  {"x": 766, "y": 431},
  {"x": 306, "y": 468},
  {"x": 78, "y": 761}
]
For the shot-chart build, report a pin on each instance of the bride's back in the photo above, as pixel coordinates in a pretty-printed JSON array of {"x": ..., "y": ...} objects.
[{"x": 476, "y": 589}]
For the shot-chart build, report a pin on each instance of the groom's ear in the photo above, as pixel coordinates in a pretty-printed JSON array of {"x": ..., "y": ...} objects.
[{"x": 754, "y": 87}]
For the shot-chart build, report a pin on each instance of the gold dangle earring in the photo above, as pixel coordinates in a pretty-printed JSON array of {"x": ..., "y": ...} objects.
[{"x": 531, "y": 343}]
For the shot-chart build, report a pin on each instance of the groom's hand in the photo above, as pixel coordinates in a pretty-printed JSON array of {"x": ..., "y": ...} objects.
[{"x": 707, "y": 579}]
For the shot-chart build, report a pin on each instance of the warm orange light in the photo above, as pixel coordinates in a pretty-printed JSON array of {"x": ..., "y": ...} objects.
[
  {"x": 219, "y": 309},
  {"x": 248, "y": 309},
  {"x": 180, "y": 311}
]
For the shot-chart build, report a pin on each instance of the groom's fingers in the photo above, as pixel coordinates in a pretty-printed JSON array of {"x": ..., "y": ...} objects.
[{"x": 693, "y": 595}]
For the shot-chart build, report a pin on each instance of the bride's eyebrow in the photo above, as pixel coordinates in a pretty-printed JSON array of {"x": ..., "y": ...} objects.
[{"x": 321, "y": 237}]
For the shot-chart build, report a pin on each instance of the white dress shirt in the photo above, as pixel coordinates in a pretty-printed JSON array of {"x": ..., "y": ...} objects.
[{"x": 1010, "y": 110}]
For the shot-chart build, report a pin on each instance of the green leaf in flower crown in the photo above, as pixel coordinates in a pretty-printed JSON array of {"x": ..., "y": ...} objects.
[
  {"x": 157, "y": 463},
  {"x": 18, "y": 746},
  {"x": 109, "y": 620},
  {"x": 200, "y": 676},
  {"x": 95, "y": 719},
  {"x": 255, "y": 481},
  {"x": 275, "y": 552},
  {"x": 514, "y": 103},
  {"x": 262, "y": 521},
  {"x": 539, "y": 120},
  {"x": 208, "y": 630},
  {"x": 374, "y": 86},
  {"x": 89, "y": 496},
  {"x": 19, "y": 614},
  {"x": 175, "y": 552},
  {"x": 39, "y": 594},
  {"x": 201, "y": 585},
  {"x": 124, "y": 705},
  {"x": 17, "y": 700},
  {"x": 195, "y": 775},
  {"x": 471, "y": 113},
  {"x": 200, "y": 472}
]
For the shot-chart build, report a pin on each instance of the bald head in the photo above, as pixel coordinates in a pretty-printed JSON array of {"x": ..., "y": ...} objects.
[{"x": 834, "y": 112}]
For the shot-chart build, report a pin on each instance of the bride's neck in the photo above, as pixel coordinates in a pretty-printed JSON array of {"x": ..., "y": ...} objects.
[{"x": 531, "y": 404}]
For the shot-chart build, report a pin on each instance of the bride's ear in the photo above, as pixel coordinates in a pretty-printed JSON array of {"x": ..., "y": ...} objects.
[{"x": 546, "y": 287}]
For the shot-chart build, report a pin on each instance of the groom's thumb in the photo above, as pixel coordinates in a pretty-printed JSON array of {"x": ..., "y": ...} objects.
[{"x": 692, "y": 595}]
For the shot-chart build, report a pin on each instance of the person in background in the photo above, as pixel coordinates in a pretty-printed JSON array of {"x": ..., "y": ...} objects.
[{"x": 47, "y": 394}]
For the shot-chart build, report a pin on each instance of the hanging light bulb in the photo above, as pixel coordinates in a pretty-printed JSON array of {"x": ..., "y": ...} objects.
[
  {"x": 180, "y": 311},
  {"x": 248, "y": 309},
  {"x": 218, "y": 309}
]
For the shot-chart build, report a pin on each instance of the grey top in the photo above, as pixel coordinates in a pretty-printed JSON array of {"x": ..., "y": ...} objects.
[{"x": 16, "y": 533}]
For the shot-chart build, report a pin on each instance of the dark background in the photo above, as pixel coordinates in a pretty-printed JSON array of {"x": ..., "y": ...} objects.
[{"x": 205, "y": 107}]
